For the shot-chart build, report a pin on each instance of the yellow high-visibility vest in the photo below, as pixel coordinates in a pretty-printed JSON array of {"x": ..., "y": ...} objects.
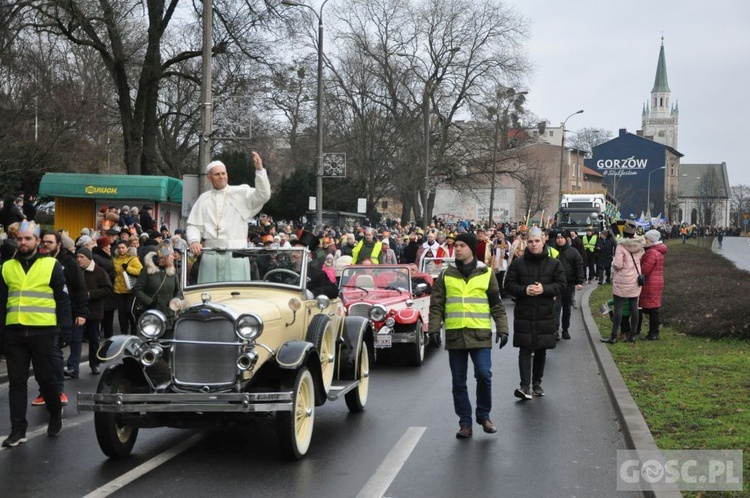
[
  {"x": 374, "y": 255},
  {"x": 31, "y": 300},
  {"x": 466, "y": 303},
  {"x": 589, "y": 243}
]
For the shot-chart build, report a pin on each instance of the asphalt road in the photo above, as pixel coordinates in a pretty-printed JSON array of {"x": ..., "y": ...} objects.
[
  {"x": 736, "y": 250},
  {"x": 402, "y": 446}
]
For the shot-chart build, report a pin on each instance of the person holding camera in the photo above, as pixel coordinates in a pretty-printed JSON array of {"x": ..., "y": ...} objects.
[{"x": 466, "y": 296}]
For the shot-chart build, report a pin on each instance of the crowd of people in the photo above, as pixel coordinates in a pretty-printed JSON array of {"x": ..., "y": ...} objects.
[{"x": 125, "y": 265}]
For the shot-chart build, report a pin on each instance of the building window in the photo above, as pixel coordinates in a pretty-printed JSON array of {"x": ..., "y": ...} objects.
[
  {"x": 551, "y": 133},
  {"x": 661, "y": 101}
]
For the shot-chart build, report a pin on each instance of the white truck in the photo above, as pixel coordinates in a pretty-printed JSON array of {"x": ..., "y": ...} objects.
[{"x": 579, "y": 210}]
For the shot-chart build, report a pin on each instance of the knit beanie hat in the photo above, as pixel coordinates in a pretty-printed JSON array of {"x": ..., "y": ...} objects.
[
  {"x": 468, "y": 239},
  {"x": 653, "y": 235},
  {"x": 84, "y": 240},
  {"x": 86, "y": 252}
]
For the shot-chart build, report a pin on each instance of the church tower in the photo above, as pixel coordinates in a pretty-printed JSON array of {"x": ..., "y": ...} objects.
[{"x": 659, "y": 117}]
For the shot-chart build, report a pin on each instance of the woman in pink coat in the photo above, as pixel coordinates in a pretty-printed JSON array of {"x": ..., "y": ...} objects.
[
  {"x": 652, "y": 266},
  {"x": 626, "y": 265}
]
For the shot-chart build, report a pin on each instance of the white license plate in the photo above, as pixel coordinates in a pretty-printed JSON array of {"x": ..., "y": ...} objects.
[{"x": 384, "y": 341}]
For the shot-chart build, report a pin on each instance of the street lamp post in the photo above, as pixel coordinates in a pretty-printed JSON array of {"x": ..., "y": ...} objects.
[
  {"x": 648, "y": 194},
  {"x": 562, "y": 149},
  {"x": 503, "y": 145},
  {"x": 204, "y": 142},
  {"x": 319, "y": 111}
]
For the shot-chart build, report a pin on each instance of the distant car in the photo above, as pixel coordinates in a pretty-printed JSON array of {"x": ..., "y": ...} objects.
[
  {"x": 397, "y": 308},
  {"x": 239, "y": 349}
]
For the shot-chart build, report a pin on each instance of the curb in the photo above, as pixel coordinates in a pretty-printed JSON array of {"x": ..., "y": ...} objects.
[{"x": 634, "y": 428}]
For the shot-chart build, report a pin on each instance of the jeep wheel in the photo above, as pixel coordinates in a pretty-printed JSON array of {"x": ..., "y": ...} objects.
[
  {"x": 416, "y": 355},
  {"x": 295, "y": 428},
  {"x": 356, "y": 399},
  {"x": 115, "y": 438},
  {"x": 322, "y": 335}
]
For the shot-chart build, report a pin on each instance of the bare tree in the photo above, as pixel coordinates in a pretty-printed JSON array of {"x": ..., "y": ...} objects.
[
  {"x": 588, "y": 138},
  {"x": 740, "y": 203},
  {"x": 709, "y": 191},
  {"x": 536, "y": 189},
  {"x": 130, "y": 40}
]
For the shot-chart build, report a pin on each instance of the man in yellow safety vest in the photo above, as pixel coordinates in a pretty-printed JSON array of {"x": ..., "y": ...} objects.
[
  {"x": 466, "y": 296},
  {"x": 34, "y": 304}
]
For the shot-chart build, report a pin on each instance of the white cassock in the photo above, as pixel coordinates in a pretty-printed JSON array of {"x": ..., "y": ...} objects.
[{"x": 220, "y": 218}]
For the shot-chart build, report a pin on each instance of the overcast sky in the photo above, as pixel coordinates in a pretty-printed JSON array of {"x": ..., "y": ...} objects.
[{"x": 601, "y": 56}]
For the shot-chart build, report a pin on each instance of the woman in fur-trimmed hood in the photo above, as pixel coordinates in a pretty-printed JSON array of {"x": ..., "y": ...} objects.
[
  {"x": 159, "y": 283},
  {"x": 626, "y": 265}
]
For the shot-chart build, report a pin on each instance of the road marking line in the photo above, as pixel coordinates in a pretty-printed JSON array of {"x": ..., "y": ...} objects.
[
  {"x": 66, "y": 425},
  {"x": 388, "y": 470},
  {"x": 144, "y": 468}
]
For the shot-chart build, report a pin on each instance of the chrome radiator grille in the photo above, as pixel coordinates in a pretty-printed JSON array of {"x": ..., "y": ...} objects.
[
  {"x": 360, "y": 309},
  {"x": 204, "y": 353}
]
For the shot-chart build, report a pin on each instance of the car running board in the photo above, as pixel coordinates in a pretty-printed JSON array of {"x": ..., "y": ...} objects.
[{"x": 339, "y": 388}]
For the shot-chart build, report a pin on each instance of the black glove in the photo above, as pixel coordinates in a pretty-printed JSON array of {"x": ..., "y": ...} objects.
[
  {"x": 124, "y": 267},
  {"x": 502, "y": 339},
  {"x": 66, "y": 336}
]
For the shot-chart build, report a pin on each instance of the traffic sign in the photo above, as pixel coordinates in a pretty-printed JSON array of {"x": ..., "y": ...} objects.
[{"x": 746, "y": 221}]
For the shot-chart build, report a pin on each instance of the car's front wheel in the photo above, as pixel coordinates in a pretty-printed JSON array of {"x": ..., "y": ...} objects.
[
  {"x": 416, "y": 356},
  {"x": 356, "y": 399},
  {"x": 116, "y": 439},
  {"x": 295, "y": 427}
]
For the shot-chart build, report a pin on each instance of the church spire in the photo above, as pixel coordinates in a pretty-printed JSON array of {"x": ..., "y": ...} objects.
[
  {"x": 661, "y": 116},
  {"x": 660, "y": 82}
]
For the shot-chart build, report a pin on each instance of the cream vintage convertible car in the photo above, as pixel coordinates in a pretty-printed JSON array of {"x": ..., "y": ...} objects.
[{"x": 245, "y": 343}]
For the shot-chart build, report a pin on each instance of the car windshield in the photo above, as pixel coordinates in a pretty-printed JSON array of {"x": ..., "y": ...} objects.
[
  {"x": 434, "y": 266},
  {"x": 375, "y": 277},
  {"x": 252, "y": 266},
  {"x": 577, "y": 219}
]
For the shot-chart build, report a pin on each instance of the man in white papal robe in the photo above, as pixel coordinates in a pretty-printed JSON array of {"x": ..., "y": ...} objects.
[{"x": 220, "y": 219}]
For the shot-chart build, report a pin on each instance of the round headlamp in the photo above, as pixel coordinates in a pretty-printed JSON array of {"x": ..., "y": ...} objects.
[
  {"x": 377, "y": 313},
  {"x": 152, "y": 324},
  {"x": 248, "y": 326},
  {"x": 390, "y": 322}
]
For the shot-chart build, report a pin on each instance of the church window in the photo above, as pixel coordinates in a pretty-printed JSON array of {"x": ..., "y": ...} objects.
[{"x": 661, "y": 101}]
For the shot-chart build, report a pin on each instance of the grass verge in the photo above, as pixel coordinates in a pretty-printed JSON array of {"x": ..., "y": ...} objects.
[{"x": 694, "y": 392}]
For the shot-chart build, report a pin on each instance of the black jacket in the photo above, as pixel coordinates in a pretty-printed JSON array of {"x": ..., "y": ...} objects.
[
  {"x": 572, "y": 264},
  {"x": 534, "y": 319},
  {"x": 76, "y": 283},
  {"x": 100, "y": 290},
  {"x": 607, "y": 251}
]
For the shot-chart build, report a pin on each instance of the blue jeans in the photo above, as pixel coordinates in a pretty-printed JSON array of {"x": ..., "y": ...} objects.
[
  {"x": 91, "y": 329},
  {"x": 459, "y": 363}
]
